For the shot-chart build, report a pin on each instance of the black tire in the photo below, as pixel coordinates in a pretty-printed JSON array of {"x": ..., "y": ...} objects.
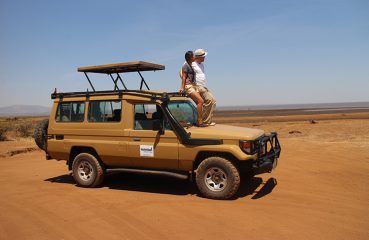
[
  {"x": 217, "y": 178},
  {"x": 40, "y": 134},
  {"x": 87, "y": 170}
]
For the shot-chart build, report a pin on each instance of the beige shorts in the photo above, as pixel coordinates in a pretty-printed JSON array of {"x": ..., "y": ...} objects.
[{"x": 190, "y": 88}]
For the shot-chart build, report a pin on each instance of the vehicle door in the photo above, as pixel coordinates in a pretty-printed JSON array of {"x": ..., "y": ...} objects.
[{"x": 151, "y": 148}]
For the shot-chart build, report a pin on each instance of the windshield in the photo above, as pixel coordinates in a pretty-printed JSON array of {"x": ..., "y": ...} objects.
[{"x": 184, "y": 112}]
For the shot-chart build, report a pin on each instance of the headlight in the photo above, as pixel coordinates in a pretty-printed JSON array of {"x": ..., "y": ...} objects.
[{"x": 248, "y": 146}]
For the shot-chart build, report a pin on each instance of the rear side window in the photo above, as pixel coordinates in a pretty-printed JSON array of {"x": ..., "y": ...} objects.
[
  {"x": 105, "y": 111},
  {"x": 70, "y": 112}
]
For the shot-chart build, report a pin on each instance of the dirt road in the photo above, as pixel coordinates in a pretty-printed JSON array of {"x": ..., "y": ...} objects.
[{"x": 318, "y": 191}]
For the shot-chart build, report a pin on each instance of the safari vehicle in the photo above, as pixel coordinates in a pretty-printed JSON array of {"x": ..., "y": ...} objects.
[{"x": 151, "y": 132}]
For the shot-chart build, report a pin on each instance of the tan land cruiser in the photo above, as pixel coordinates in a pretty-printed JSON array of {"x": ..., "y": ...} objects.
[{"x": 149, "y": 131}]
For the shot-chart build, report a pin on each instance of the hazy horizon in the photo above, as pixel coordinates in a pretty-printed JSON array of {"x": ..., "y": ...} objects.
[{"x": 238, "y": 107}]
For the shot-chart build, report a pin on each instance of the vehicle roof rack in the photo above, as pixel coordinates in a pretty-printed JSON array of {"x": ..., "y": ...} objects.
[
  {"x": 123, "y": 67},
  {"x": 153, "y": 95}
]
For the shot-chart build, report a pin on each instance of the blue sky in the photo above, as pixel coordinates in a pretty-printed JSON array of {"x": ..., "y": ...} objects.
[{"x": 260, "y": 52}]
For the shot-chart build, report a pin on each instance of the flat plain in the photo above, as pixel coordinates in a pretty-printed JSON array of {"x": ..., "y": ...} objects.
[{"x": 319, "y": 190}]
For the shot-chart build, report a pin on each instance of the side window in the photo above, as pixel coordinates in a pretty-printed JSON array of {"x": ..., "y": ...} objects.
[
  {"x": 70, "y": 112},
  {"x": 147, "y": 116},
  {"x": 105, "y": 111}
]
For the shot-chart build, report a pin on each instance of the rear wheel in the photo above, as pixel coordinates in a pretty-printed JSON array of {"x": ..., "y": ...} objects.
[
  {"x": 217, "y": 178},
  {"x": 87, "y": 170}
]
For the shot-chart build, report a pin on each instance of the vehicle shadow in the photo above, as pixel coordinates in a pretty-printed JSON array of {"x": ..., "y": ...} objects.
[
  {"x": 167, "y": 185},
  {"x": 138, "y": 182},
  {"x": 266, "y": 189},
  {"x": 66, "y": 178},
  {"x": 149, "y": 183}
]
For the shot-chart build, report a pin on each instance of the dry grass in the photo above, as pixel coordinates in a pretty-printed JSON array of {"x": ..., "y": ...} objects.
[
  {"x": 12, "y": 128},
  {"x": 24, "y": 129},
  {"x": 3, "y": 131}
]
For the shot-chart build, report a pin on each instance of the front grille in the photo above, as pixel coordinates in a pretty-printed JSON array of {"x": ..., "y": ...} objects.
[{"x": 268, "y": 145}]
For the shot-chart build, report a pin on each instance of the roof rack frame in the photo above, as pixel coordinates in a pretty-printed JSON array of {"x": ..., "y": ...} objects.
[
  {"x": 109, "y": 69},
  {"x": 116, "y": 80},
  {"x": 142, "y": 81},
  {"x": 89, "y": 81}
]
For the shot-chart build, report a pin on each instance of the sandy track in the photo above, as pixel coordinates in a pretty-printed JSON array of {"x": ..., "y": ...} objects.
[{"x": 319, "y": 191}]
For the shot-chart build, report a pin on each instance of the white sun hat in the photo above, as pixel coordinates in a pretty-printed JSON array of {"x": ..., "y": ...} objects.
[{"x": 200, "y": 53}]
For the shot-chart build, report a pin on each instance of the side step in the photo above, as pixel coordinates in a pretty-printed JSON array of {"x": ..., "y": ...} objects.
[{"x": 182, "y": 176}]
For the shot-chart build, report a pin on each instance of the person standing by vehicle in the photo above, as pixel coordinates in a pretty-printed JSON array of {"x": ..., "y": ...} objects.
[
  {"x": 200, "y": 79},
  {"x": 188, "y": 85}
]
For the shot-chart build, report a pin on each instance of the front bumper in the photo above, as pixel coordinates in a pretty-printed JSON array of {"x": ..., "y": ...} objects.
[{"x": 268, "y": 151}]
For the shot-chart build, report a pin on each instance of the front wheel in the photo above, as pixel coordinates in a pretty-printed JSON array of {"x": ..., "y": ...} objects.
[
  {"x": 87, "y": 170},
  {"x": 217, "y": 178}
]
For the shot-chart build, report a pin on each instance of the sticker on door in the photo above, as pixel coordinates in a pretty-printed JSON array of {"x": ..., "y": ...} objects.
[{"x": 146, "y": 151}]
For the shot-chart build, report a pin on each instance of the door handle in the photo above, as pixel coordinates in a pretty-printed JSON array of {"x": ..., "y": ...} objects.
[
  {"x": 137, "y": 139},
  {"x": 59, "y": 137}
]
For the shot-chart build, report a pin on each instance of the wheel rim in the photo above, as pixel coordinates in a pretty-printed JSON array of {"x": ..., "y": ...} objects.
[
  {"x": 215, "y": 179},
  {"x": 85, "y": 170}
]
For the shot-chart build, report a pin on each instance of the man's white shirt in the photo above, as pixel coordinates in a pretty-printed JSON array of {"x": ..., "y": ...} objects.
[{"x": 199, "y": 73}]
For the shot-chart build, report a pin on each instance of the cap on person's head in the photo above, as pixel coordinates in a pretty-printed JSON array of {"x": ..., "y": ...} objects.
[{"x": 200, "y": 53}]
